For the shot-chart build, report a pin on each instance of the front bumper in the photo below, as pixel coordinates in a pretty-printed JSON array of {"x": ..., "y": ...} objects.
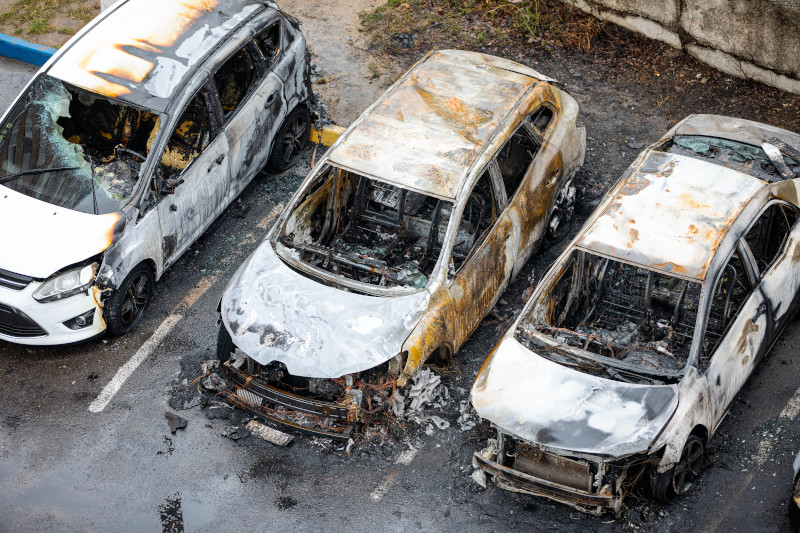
[
  {"x": 23, "y": 320},
  {"x": 325, "y": 419}
]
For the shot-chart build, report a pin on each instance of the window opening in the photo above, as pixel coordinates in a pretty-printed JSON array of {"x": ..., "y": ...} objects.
[
  {"x": 73, "y": 148},
  {"x": 730, "y": 293},
  {"x": 541, "y": 119},
  {"x": 622, "y": 312},
  {"x": 269, "y": 43},
  {"x": 514, "y": 158},
  {"x": 768, "y": 235},
  {"x": 193, "y": 133},
  {"x": 234, "y": 80},
  {"x": 479, "y": 214},
  {"x": 367, "y": 230}
]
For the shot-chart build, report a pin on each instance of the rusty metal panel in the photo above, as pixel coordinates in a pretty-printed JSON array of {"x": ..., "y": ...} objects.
[
  {"x": 681, "y": 207},
  {"x": 426, "y": 133}
]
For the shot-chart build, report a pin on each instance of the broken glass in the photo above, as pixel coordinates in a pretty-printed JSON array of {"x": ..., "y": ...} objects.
[
  {"x": 739, "y": 156},
  {"x": 619, "y": 312},
  {"x": 96, "y": 144},
  {"x": 366, "y": 230}
]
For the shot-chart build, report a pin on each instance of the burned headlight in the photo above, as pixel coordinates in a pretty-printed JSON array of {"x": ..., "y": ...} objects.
[{"x": 66, "y": 284}]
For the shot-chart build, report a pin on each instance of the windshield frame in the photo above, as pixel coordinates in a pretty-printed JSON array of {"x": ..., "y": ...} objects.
[
  {"x": 287, "y": 257},
  {"x": 136, "y": 194},
  {"x": 554, "y": 275}
]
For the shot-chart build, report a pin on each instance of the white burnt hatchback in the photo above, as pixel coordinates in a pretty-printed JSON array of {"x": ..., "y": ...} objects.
[
  {"x": 629, "y": 353},
  {"x": 125, "y": 147}
]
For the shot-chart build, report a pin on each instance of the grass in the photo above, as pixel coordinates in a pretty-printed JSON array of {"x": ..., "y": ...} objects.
[
  {"x": 36, "y": 17},
  {"x": 479, "y": 23}
]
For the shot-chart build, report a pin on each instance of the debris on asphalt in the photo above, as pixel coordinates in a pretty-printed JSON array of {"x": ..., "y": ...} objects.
[
  {"x": 269, "y": 434},
  {"x": 479, "y": 477},
  {"x": 209, "y": 365},
  {"x": 468, "y": 418},
  {"x": 235, "y": 433},
  {"x": 175, "y": 422},
  {"x": 218, "y": 410},
  {"x": 92, "y": 376}
]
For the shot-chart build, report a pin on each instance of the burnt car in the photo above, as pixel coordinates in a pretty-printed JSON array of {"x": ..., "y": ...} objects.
[
  {"x": 794, "y": 503},
  {"x": 631, "y": 349},
  {"x": 400, "y": 240},
  {"x": 128, "y": 144}
]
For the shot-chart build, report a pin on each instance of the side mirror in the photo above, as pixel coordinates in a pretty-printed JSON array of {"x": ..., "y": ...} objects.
[
  {"x": 168, "y": 185},
  {"x": 451, "y": 270}
]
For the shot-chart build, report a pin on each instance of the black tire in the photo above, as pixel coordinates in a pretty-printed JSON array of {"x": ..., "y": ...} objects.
[
  {"x": 794, "y": 510},
  {"x": 680, "y": 478},
  {"x": 127, "y": 304},
  {"x": 225, "y": 346},
  {"x": 291, "y": 140}
]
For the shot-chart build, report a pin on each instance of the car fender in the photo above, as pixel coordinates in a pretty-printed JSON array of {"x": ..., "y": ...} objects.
[
  {"x": 140, "y": 242},
  {"x": 694, "y": 409},
  {"x": 431, "y": 332}
]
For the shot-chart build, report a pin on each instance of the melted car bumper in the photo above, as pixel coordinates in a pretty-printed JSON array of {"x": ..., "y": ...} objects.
[{"x": 307, "y": 415}]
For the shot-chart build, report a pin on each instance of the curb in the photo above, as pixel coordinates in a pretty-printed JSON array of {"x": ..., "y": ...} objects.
[
  {"x": 14, "y": 48},
  {"x": 327, "y": 135}
]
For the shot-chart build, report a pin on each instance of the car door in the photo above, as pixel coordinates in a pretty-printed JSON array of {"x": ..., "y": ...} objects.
[
  {"x": 530, "y": 169},
  {"x": 478, "y": 268},
  {"x": 194, "y": 176},
  {"x": 773, "y": 239},
  {"x": 252, "y": 100},
  {"x": 736, "y": 329}
]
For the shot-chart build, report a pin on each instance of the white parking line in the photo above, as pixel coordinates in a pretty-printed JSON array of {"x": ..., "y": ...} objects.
[
  {"x": 163, "y": 330},
  {"x": 405, "y": 458},
  {"x": 764, "y": 451}
]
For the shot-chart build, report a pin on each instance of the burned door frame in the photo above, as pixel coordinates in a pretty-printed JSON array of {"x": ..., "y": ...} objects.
[
  {"x": 248, "y": 129},
  {"x": 470, "y": 287},
  {"x": 207, "y": 174},
  {"x": 735, "y": 355}
]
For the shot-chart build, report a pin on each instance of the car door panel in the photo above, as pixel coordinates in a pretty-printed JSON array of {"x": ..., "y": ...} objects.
[
  {"x": 195, "y": 203},
  {"x": 737, "y": 353},
  {"x": 781, "y": 282},
  {"x": 251, "y": 130}
]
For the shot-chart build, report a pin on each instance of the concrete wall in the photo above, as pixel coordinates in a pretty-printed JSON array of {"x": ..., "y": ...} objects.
[{"x": 755, "y": 39}]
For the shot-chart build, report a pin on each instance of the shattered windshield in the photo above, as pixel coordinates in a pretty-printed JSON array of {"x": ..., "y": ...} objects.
[
  {"x": 74, "y": 149},
  {"x": 366, "y": 230},
  {"x": 746, "y": 158},
  {"x": 620, "y": 312}
]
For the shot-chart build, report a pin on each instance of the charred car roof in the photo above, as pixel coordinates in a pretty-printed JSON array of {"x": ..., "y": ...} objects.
[
  {"x": 429, "y": 129},
  {"x": 683, "y": 208},
  {"x": 143, "y": 51}
]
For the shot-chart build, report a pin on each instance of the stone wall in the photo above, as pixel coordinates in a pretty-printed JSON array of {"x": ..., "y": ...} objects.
[{"x": 755, "y": 39}]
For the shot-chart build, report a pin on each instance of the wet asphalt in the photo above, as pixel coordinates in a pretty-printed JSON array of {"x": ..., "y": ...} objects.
[{"x": 64, "y": 468}]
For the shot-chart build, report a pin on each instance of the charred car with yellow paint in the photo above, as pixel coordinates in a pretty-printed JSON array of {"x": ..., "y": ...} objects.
[
  {"x": 630, "y": 351},
  {"x": 128, "y": 144},
  {"x": 400, "y": 240}
]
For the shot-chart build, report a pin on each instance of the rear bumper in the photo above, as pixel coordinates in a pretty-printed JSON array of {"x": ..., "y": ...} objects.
[
  {"x": 314, "y": 417},
  {"x": 516, "y": 481}
]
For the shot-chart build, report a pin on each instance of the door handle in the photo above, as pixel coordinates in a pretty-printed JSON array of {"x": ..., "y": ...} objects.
[
  {"x": 220, "y": 158},
  {"x": 553, "y": 179},
  {"x": 760, "y": 310},
  {"x": 270, "y": 99}
]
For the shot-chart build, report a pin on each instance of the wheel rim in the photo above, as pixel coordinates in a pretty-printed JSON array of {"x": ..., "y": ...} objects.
[
  {"x": 563, "y": 210},
  {"x": 688, "y": 468},
  {"x": 135, "y": 300},
  {"x": 295, "y": 138}
]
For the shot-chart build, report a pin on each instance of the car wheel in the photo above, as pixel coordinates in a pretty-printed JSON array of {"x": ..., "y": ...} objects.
[
  {"x": 127, "y": 304},
  {"x": 291, "y": 140},
  {"x": 794, "y": 503},
  {"x": 561, "y": 216},
  {"x": 225, "y": 346},
  {"x": 680, "y": 478}
]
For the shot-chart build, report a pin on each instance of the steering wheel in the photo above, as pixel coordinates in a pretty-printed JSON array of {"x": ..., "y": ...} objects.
[{"x": 130, "y": 157}]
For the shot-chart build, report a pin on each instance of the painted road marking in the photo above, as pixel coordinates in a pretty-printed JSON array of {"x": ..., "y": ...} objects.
[
  {"x": 163, "y": 330},
  {"x": 764, "y": 451},
  {"x": 405, "y": 459}
]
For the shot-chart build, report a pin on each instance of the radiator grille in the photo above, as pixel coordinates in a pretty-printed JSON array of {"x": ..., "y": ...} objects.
[
  {"x": 552, "y": 467},
  {"x": 15, "y": 323}
]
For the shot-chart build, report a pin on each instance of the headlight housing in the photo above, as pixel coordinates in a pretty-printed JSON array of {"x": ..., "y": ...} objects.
[{"x": 65, "y": 284}]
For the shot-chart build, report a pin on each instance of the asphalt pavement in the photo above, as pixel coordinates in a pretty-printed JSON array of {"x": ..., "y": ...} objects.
[{"x": 64, "y": 467}]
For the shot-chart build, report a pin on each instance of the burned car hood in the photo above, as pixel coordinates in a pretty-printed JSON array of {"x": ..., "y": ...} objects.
[
  {"x": 38, "y": 238},
  {"x": 552, "y": 405},
  {"x": 276, "y": 314}
]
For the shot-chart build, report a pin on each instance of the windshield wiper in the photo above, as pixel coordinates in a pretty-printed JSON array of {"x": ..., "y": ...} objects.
[{"x": 35, "y": 171}]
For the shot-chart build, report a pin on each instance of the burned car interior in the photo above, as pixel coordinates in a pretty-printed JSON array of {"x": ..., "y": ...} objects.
[
  {"x": 619, "y": 311},
  {"x": 78, "y": 150},
  {"x": 369, "y": 231}
]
